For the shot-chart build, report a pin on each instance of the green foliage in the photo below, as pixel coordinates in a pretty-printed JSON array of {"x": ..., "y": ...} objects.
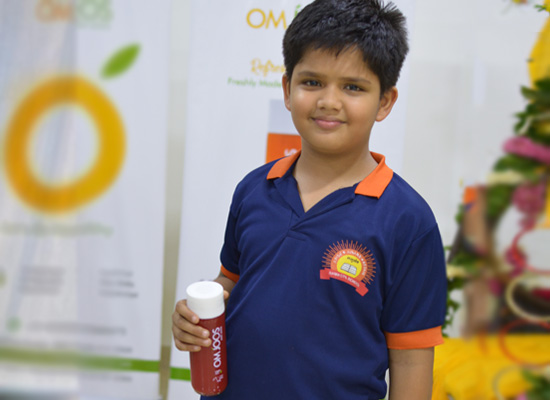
[
  {"x": 540, "y": 386},
  {"x": 543, "y": 84},
  {"x": 527, "y": 167},
  {"x": 460, "y": 214},
  {"x": 498, "y": 200},
  {"x": 541, "y": 138},
  {"x": 517, "y": 163},
  {"x": 541, "y": 97},
  {"x": 535, "y": 120},
  {"x": 526, "y": 119},
  {"x": 466, "y": 260},
  {"x": 541, "y": 7}
]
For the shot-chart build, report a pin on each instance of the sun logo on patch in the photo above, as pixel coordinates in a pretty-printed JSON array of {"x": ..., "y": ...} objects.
[{"x": 349, "y": 262}]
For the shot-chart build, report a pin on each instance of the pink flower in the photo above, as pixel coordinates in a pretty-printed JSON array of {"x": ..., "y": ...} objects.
[
  {"x": 525, "y": 147},
  {"x": 529, "y": 198}
]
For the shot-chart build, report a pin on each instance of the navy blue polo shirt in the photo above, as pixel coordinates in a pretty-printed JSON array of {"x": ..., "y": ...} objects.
[{"x": 321, "y": 295}]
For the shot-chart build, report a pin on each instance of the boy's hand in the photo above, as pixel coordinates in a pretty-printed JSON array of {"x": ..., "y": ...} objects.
[{"x": 188, "y": 336}]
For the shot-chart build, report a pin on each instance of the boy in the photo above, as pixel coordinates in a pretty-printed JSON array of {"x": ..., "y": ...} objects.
[{"x": 334, "y": 265}]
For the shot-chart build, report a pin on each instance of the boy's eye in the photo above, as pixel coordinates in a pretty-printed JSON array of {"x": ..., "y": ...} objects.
[
  {"x": 353, "y": 88},
  {"x": 311, "y": 82}
]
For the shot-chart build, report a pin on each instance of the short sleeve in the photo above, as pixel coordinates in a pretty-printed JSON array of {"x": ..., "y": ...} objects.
[
  {"x": 230, "y": 253},
  {"x": 416, "y": 296}
]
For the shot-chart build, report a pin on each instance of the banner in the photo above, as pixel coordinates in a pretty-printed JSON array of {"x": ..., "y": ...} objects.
[
  {"x": 83, "y": 122},
  {"x": 236, "y": 120}
]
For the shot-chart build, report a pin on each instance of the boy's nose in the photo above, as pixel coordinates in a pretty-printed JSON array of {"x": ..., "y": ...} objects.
[{"x": 329, "y": 99}]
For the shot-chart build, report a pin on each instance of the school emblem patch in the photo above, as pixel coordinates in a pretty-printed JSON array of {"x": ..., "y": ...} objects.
[{"x": 349, "y": 262}]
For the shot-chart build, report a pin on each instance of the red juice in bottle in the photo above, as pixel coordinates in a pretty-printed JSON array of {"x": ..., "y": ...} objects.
[{"x": 209, "y": 365}]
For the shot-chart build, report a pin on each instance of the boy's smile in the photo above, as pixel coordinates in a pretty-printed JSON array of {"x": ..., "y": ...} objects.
[{"x": 334, "y": 101}]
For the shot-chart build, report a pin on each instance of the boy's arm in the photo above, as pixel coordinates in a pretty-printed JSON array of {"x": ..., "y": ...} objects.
[
  {"x": 227, "y": 283},
  {"x": 411, "y": 374}
]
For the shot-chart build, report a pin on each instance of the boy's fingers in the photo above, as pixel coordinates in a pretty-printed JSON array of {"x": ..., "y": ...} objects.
[
  {"x": 185, "y": 312},
  {"x": 181, "y": 324},
  {"x": 185, "y": 347},
  {"x": 189, "y": 339},
  {"x": 225, "y": 294},
  {"x": 188, "y": 336}
]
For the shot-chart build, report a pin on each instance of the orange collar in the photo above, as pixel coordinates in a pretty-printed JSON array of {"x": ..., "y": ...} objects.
[{"x": 373, "y": 185}]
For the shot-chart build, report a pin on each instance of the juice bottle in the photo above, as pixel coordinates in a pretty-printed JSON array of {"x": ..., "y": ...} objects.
[{"x": 209, "y": 365}]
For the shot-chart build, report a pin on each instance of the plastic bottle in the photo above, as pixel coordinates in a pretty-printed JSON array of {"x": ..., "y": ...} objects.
[{"x": 209, "y": 365}]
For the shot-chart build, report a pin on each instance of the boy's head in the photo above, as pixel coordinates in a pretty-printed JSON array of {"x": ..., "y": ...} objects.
[{"x": 376, "y": 30}]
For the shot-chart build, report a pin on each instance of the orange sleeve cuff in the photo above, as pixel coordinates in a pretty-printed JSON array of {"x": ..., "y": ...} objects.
[
  {"x": 229, "y": 274},
  {"x": 414, "y": 340}
]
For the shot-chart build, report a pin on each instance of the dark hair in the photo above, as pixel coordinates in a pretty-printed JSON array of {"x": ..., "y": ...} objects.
[{"x": 378, "y": 31}]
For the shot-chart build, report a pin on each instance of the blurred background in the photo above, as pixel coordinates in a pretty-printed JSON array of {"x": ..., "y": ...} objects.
[{"x": 124, "y": 129}]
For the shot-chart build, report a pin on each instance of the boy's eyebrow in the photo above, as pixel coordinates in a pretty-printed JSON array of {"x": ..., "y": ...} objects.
[
  {"x": 357, "y": 80},
  {"x": 310, "y": 73},
  {"x": 352, "y": 79}
]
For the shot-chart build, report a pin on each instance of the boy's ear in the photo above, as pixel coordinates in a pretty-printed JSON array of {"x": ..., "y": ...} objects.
[
  {"x": 386, "y": 103},
  {"x": 286, "y": 91}
]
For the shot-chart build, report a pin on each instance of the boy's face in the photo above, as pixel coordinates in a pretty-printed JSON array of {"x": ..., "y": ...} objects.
[{"x": 334, "y": 102}]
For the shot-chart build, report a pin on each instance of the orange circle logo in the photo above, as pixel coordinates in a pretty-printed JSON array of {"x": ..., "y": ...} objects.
[{"x": 65, "y": 90}]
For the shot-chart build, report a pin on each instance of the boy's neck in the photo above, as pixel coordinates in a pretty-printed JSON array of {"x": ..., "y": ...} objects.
[
  {"x": 319, "y": 175},
  {"x": 347, "y": 170}
]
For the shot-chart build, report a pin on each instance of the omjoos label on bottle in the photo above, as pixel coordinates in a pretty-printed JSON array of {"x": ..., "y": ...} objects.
[{"x": 209, "y": 365}]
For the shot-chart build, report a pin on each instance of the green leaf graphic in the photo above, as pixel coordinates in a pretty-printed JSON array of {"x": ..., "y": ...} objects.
[{"x": 120, "y": 61}]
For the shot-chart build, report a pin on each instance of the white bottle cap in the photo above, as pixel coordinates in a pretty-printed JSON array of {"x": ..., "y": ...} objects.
[{"x": 206, "y": 299}]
